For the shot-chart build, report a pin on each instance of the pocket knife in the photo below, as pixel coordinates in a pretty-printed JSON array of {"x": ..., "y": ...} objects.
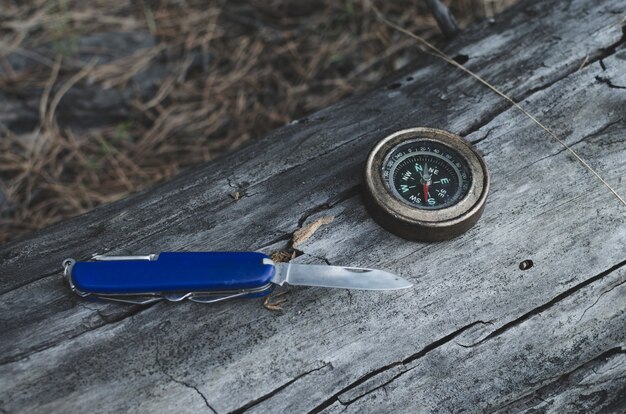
[{"x": 209, "y": 277}]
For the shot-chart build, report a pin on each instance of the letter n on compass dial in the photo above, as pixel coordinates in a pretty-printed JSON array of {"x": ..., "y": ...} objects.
[{"x": 426, "y": 174}]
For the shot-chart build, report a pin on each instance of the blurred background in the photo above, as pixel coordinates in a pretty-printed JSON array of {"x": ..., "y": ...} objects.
[{"x": 100, "y": 98}]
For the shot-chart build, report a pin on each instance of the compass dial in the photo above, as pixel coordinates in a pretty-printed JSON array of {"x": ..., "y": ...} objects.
[{"x": 426, "y": 174}]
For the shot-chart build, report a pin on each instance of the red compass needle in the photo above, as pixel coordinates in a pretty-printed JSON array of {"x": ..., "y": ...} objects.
[{"x": 425, "y": 185}]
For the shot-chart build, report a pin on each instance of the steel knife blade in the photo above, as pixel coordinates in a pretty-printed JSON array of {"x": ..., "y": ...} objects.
[{"x": 337, "y": 277}]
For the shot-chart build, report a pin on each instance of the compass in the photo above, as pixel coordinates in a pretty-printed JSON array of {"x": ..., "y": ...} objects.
[{"x": 425, "y": 184}]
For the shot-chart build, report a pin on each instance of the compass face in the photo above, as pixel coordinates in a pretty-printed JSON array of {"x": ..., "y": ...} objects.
[{"x": 426, "y": 174}]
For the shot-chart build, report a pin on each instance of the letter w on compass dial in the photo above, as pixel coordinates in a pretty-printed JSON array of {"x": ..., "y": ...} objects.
[{"x": 427, "y": 174}]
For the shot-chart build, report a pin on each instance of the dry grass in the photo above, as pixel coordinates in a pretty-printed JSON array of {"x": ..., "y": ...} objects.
[{"x": 234, "y": 70}]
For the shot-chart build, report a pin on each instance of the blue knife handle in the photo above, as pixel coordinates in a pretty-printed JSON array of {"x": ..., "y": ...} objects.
[{"x": 175, "y": 272}]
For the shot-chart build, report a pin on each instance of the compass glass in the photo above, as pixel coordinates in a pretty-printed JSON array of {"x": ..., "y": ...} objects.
[{"x": 426, "y": 174}]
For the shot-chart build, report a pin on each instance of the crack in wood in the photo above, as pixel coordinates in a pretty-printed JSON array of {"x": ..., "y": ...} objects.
[
  {"x": 600, "y": 297},
  {"x": 487, "y": 135},
  {"x": 330, "y": 203},
  {"x": 327, "y": 205},
  {"x": 284, "y": 237},
  {"x": 608, "y": 82},
  {"x": 177, "y": 381},
  {"x": 402, "y": 370},
  {"x": 425, "y": 350},
  {"x": 553, "y": 385},
  {"x": 275, "y": 391},
  {"x": 549, "y": 304}
]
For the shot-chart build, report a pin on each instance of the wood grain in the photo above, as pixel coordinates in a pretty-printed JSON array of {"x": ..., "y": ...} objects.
[{"x": 475, "y": 333}]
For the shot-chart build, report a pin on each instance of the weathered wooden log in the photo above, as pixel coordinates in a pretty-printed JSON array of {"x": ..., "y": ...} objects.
[{"x": 476, "y": 333}]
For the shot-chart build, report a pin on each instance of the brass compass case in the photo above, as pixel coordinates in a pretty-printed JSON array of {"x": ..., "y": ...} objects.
[{"x": 423, "y": 224}]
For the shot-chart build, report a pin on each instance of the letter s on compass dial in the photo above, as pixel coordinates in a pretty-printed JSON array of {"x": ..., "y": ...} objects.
[{"x": 425, "y": 184}]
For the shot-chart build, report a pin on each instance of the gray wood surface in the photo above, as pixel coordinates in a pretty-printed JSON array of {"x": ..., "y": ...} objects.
[{"x": 475, "y": 334}]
